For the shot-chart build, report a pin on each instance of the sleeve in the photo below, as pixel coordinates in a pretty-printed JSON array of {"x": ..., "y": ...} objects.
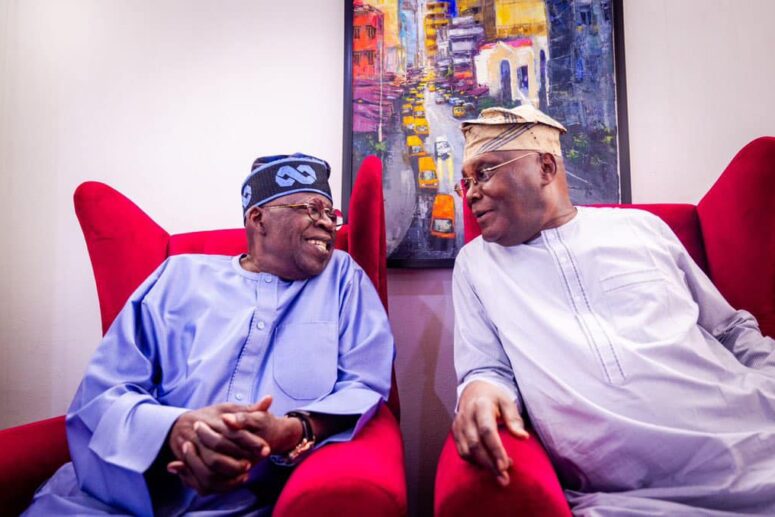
[
  {"x": 366, "y": 352},
  {"x": 479, "y": 354},
  {"x": 737, "y": 330},
  {"x": 115, "y": 426}
]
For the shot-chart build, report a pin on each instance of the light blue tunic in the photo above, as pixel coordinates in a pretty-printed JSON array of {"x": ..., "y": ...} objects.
[
  {"x": 200, "y": 331},
  {"x": 652, "y": 395}
]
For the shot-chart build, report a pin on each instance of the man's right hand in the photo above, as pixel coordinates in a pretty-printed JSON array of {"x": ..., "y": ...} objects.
[
  {"x": 210, "y": 456},
  {"x": 475, "y": 429}
]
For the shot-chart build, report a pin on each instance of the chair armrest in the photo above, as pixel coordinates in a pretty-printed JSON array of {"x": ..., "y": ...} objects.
[
  {"x": 364, "y": 476},
  {"x": 30, "y": 454},
  {"x": 463, "y": 489}
]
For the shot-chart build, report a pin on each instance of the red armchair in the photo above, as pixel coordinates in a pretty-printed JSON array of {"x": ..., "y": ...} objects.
[
  {"x": 730, "y": 233},
  {"x": 362, "y": 477}
]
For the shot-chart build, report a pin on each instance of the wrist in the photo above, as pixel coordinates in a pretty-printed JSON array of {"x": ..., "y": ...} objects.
[
  {"x": 303, "y": 445},
  {"x": 292, "y": 434}
]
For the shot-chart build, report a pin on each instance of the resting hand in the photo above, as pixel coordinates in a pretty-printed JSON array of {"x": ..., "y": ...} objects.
[
  {"x": 210, "y": 456},
  {"x": 281, "y": 434},
  {"x": 475, "y": 428}
]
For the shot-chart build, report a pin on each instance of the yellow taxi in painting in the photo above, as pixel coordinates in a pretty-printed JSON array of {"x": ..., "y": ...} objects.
[
  {"x": 458, "y": 112},
  {"x": 414, "y": 146},
  {"x": 421, "y": 127},
  {"x": 426, "y": 173},
  {"x": 443, "y": 221}
]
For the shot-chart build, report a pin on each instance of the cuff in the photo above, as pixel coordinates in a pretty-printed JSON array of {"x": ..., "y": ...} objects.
[
  {"x": 510, "y": 390},
  {"x": 131, "y": 433}
]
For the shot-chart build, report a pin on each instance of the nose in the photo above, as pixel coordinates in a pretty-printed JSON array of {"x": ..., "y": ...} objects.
[
  {"x": 473, "y": 193},
  {"x": 326, "y": 222}
]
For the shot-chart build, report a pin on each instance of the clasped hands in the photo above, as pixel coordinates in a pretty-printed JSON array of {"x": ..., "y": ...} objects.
[
  {"x": 475, "y": 428},
  {"x": 215, "y": 447}
]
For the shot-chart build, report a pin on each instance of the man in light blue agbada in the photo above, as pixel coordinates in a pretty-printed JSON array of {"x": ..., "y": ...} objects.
[
  {"x": 220, "y": 372},
  {"x": 651, "y": 394}
]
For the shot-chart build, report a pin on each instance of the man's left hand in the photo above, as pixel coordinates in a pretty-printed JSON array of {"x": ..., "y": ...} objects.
[{"x": 282, "y": 434}]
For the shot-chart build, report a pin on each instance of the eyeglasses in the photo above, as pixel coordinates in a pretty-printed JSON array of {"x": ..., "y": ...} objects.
[
  {"x": 484, "y": 175},
  {"x": 316, "y": 209}
]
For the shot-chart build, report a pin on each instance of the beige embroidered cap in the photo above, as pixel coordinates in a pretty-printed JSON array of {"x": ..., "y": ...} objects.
[{"x": 523, "y": 128}]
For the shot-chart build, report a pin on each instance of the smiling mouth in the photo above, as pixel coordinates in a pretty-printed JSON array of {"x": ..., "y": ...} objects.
[{"x": 323, "y": 245}]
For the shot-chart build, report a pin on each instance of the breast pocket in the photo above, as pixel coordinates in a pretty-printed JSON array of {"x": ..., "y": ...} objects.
[
  {"x": 638, "y": 306},
  {"x": 305, "y": 359}
]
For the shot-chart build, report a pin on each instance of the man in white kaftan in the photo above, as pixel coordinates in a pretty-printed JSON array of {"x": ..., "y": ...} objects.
[{"x": 650, "y": 392}]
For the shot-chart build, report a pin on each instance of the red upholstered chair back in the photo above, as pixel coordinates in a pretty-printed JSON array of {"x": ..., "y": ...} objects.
[
  {"x": 125, "y": 245},
  {"x": 737, "y": 217},
  {"x": 730, "y": 233}
]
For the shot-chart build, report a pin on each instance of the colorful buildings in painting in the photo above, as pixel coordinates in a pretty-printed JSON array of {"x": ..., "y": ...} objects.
[
  {"x": 501, "y": 47},
  {"x": 503, "y": 19},
  {"x": 408, "y": 33},
  {"x": 368, "y": 42},
  {"x": 394, "y": 59},
  {"x": 508, "y": 68},
  {"x": 436, "y": 17},
  {"x": 465, "y": 36},
  {"x": 470, "y": 8}
]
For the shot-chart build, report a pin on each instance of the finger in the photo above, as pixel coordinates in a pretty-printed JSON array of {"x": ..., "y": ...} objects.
[
  {"x": 218, "y": 442},
  {"x": 222, "y": 464},
  {"x": 263, "y": 404},
  {"x": 176, "y": 467},
  {"x": 472, "y": 440},
  {"x": 179, "y": 469},
  {"x": 199, "y": 473},
  {"x": 204, "y": 480},
  {"x": 512, "y": 420},
  {"x": 254, "y": 420},
  {"x": 190, "y": 481},
  {"x": 257, "y": 447},
  {"x": 487, "y": 428},
  {"x": 236, "y": 418},
  {"x": 459, "y": 436},
  {"x": 503, "y": 478}
]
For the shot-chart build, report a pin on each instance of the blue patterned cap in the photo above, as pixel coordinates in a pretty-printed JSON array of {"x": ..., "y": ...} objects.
[{"x": 276, "y": 176}]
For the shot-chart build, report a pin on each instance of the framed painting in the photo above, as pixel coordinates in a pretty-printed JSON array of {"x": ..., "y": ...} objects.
[{"x": 414, "y": 69}]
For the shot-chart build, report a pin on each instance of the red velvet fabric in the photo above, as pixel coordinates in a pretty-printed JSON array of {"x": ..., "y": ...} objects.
[
  {"x": 731, "y": 235},
  {"x": 125, "y": 246},
  {"x": 366, "y": 207},
  {"x": 464, "y": 490},
  {"x": 30, "y": 454},
  {"x": 737, "y": 216},
  {"x": 361, "y": 477}
]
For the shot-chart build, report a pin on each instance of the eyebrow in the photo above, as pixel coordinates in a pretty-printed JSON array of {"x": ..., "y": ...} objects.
[
  {"x": 326, "y": 203},
  {"x": 480, "y": 162}
]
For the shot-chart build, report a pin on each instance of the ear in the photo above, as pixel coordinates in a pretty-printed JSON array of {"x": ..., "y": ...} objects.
[
  {"x": 255, "y": 219},
  {"x": 548, "y": 168}
]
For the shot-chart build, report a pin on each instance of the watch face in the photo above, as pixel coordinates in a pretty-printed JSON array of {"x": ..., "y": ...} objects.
[{"x": 300, "y": 449}]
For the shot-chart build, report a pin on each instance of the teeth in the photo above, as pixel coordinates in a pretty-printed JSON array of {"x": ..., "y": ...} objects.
[{"x": 322, "y": 246}]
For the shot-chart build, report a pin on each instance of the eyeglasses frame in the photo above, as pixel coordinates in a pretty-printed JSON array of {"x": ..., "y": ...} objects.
[
  {"x": 473, "y": 181},
  {"x": 334, "y": 214}
]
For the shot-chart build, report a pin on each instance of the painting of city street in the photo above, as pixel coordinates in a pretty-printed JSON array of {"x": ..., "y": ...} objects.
[{"x": 421, "y": 67}]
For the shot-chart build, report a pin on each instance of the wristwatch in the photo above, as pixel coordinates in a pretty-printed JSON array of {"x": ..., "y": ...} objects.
[{"x": 307, "y": 440}]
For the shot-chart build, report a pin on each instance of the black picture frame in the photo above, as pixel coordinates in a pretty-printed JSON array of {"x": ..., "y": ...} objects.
[{"x": 348, "y": 174}]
